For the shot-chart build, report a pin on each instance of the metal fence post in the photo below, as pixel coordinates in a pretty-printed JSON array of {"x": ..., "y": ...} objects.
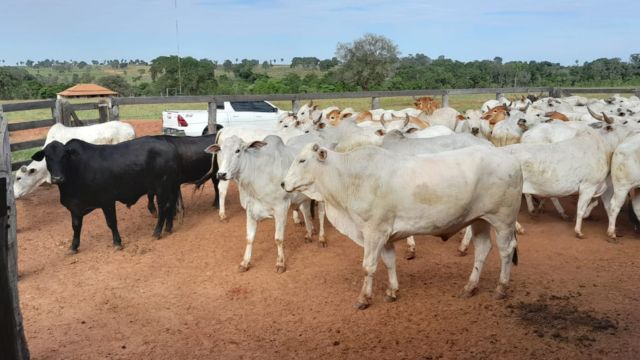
[
  {"x": 375, "y": 103},
  {"x": 212, "y": 108}
]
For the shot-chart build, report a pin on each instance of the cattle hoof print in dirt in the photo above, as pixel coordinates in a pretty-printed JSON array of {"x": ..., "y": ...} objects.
[{"x": 410, "y": 255}]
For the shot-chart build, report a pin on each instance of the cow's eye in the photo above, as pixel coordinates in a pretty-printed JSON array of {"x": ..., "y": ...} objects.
[
  {"x": 301, "y": 161},
  {"x": 237, "y": 151},
  {"x": 18, "y": 179}
]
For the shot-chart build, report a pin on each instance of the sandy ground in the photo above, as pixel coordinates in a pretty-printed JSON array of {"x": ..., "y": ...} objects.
[{"x": 182, "y": 297}]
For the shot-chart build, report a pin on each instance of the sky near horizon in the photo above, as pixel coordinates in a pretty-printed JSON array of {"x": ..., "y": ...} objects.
[{"x": 559, "y": 31}]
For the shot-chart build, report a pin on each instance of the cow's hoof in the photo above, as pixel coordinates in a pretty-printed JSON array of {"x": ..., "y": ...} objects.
[
  {"x": 307, "y": 239},
  {"x": 580, "y": 235},
  {"x": 322, "y": 243},
  {"x": 410, "y": 255},
  {"x": 467, "y": 293},
  {"x": 565, "y": 217},
  {"x": 243, "y": 268},
  {"x": 361, "y": 306},
  {"x": 280, "y": 269},
  {"x": 500, "y": 293},
  {"x": 223, "y": 218},
  {"x": 390, "y": 296},
  {"x": 157, "y": 236},
  {"x": 612, "y": 239},
  {"x": 71, "y": 251},
  {"x": 462, "y": 252},
  {"x": 117, "y": 247}
]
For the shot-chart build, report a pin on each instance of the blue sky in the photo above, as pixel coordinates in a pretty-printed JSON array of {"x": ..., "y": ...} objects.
[{"x": 560, "y": 30}]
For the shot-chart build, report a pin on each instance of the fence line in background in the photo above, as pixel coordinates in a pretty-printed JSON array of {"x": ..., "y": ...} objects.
[{"x": 109, "y": 109}]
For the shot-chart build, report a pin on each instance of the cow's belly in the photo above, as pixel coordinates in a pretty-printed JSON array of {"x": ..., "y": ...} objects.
[{"x": 259, "y": 210}]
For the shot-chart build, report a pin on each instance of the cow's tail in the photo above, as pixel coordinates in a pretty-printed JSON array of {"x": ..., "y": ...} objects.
[
  {"x": 514, "y": 259},
  {"x": 633, "y": 218}
]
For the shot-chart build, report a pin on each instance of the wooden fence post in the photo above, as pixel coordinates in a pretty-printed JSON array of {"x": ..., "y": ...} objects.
[
  {"x": 499, "y": 95},
  {"x": 57, "y": 112},
  {"x": 295, "y": 105},
  {"x": 375, "y": 103},
  {"x": 445, "y": 99},
  {"x": 114, "y": 111},
  {"x": 13, "y": 344},
  {"x": 212, "y": 110},
  {"x": 103, "y": 110},
  {"x": 636, "y": 92}
]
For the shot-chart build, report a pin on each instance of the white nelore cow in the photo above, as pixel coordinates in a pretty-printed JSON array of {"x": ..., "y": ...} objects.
[
  {"x": 29, "y": 177},
  {"x": 258, "y": 167},
  {"x": 577, "y": 165},
  {"x": 376, "y": 197},
  {"x": 472, "y": 122},
  {"x": 625, "y": 176},
  {"x": 248, "y": 134}
]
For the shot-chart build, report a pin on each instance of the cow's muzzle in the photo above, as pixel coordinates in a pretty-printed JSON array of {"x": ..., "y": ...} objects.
[
  {"x": 57, "y": 179},
  {"x": 221, "y": 176}
]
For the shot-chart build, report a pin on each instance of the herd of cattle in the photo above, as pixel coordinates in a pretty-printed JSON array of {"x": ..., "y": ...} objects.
[{"x": 378, "y": 176}]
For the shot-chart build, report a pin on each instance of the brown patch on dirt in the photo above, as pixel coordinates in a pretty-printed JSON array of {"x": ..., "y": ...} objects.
[
  {"x": 182, "y": 297},
  {"x": 142, "y": 127},
  {"x": 560, "y": 319}
]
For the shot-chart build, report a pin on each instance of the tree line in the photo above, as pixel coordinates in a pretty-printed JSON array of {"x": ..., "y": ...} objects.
[{"x": 371, "y": 62}]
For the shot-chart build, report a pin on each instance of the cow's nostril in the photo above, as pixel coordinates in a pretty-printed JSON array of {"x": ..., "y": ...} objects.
[{"x": 282, "y": 185}]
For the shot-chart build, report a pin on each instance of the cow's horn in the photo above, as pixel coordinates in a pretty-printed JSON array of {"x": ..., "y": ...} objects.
[{"x": 595, "y": 116}]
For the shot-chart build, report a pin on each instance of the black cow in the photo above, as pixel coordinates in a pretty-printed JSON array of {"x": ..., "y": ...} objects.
[
  {"x": 96, "y": 176},
  {"x": 194, "y": 162}
]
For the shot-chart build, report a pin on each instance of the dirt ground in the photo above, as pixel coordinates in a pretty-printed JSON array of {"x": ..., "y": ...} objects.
[{"x": 182, "y": 297}]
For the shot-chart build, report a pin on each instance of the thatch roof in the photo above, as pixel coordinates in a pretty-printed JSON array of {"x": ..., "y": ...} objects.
[{"x": 86, "y": 90}]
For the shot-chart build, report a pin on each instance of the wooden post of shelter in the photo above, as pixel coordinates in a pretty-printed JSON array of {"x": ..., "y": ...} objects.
[
  {"x": 375, "y": 103},
  {"x": 13, "y": 344},
  {"x": 212, "y": 112}
]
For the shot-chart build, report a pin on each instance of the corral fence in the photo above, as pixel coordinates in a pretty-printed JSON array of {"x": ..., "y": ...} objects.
[{"x": 109, "y": 108}]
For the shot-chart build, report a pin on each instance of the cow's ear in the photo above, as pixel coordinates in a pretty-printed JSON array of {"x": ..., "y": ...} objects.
[
  {"x": 322, "y": 154},
  {"x": 412, "y": 130},
  {"x": 460, "y": 117},
  {"x": 38, "y": 156},
  {"x": 212, "y": 149},
  {"x": 257, "y": 144}
]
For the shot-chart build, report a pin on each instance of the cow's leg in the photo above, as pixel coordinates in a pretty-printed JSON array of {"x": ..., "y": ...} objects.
[
  {"x": 308, "y": 221},
  {"x": 280, "y": 216},
  {"x": 559, "y": 209},
  {"x": 586, "y": 193},
  {"x": 161, "y": 196},
  {"x": 530, "y": 207},
  {"x": 482, "y": 245},
  {"x": 411, "y": 248},
  {"x": 507, "y": 245},
  {"x": 223, "y": 186},
  {"x": 519, "y": 228},
  {"x": 109, "y": 212},
  {"x": 151, "y": 205},
  {"x": 590, "y": 207},
  {"x": 373, "y": 244},
  {"x": 174, "y": 205},
  {"x": 619, "y": 196},
  {"x": 76, "y": 224},
  {"x": 388, "y": 255},
  {"x": 296, "y": 218},
  {"x": 466, "y": 240},
  {"x": 216, "y": 200},
  {"x": 252, "y": 225},
  {"x": 322, "y": 241}
]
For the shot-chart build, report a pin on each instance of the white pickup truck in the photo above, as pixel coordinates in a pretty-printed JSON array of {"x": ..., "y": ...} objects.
[{"x": 260, "y": 114}]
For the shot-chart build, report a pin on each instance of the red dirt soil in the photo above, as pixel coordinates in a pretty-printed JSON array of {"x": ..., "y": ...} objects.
[{"x": 182, "y": 297}]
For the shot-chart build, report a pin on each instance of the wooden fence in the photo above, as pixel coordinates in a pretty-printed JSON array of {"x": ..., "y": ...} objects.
[
  {"x": 109, "y": 109},
  {"x": 12, "y": 341}
]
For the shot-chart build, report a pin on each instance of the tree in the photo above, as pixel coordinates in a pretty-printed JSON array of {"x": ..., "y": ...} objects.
[
  {"x": 196, "y": 76},
  {"x": 227, "y": 66},
  {"x": 368, "y": 61},
  {"x": 116, "y": 83}
]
